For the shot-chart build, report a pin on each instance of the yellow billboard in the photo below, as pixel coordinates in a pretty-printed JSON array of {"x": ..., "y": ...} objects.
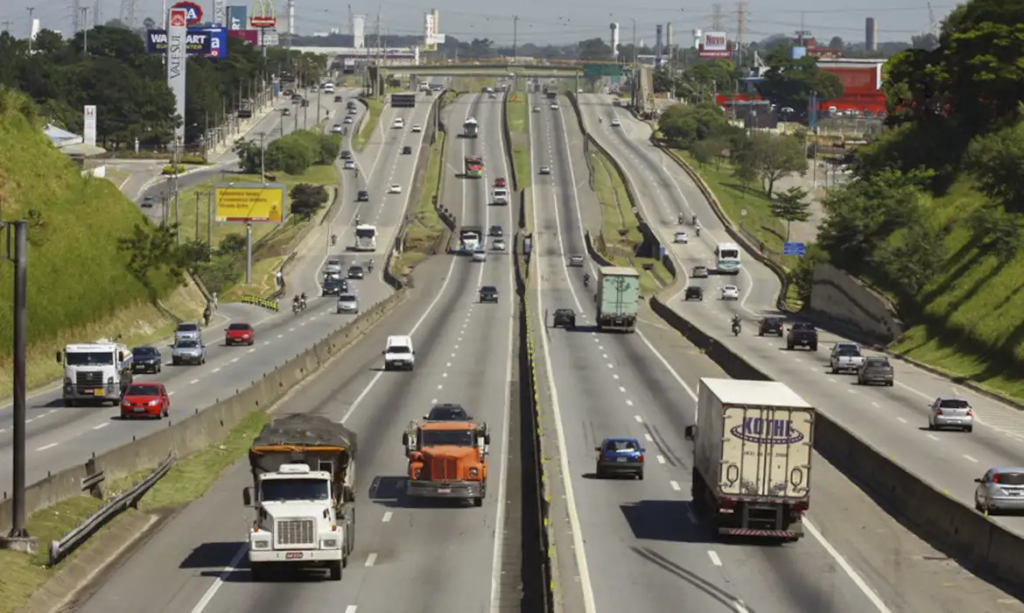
[{"x": 250, "y": 202}]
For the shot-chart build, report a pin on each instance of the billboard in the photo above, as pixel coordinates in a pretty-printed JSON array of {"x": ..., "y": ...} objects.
[
  {"x": 210, "y": 42},
  {"x": 250, "y": 202},
  {"x": 714, "y": 45},
  {"x": 250, "y": 36},
  {"x": 177, "y": 30},
  {"x": 263, "y": 15},
  {"x": 193, "y": 12},
  {"x": 238, "y": 18},
  {"x": 219, "y": 13},
  {"x": 429, "y": 32},
  {"x": 89, "y": 131}
]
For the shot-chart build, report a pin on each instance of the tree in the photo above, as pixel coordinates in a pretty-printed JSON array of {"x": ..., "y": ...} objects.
[
  {"x": 149, "y": 249},
  {"x": 836, "y": 43},
  {"x": 703, "y": 151},
  {"x": 791, "y": 205},
  {"x": 685, "y": 124},
  {"x": 703, "y": 79},
  {"x": 790, "y": 82},
  {"x": 925, "y": 42},
  {"x": 307, "y": 199},
  {"x": 772, "y": 158},
  {"x": 249, "y": 155},
  {"x": 996, "y": 160},
  {"x": 594, "y": 49},
  {"x": 663, "y": 81},
  {"x": 745, "y": 174}
]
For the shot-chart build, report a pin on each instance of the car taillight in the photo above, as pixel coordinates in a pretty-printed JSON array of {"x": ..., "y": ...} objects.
[
  {"x": 970, "y": 413},
  {"x": 938, "y": 411},
  {"x": 800, "y": 507},
  {"x": 727, "y": 503},
  {"x": 995, "y": 478},
  {"x": 640, "y": 458}
]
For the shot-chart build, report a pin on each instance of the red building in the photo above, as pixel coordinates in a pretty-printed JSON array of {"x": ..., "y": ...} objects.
[{"x": 862, "y": 84}]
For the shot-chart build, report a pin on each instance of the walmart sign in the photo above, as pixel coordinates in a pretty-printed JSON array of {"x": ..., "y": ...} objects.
[{"x": 208, "y": 42}]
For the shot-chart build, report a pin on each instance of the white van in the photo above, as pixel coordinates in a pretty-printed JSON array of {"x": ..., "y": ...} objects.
[
  {"x": 399, "y": 353},
  {"x": 500, "y": 195}
]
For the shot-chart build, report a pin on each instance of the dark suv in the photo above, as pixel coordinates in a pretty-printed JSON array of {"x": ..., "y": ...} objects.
[
  {"x": 802, "y": 334},
  {"x": 564, "y": 318},
  {"x": 447, "y": 412},
  {"x": 488, "y": 293},
  {"x": 406, "y": 150},
  {"x": 363, "y": 196},
  {"x": 694, "y": 292},
  {"x": 346, "y": 154},
  {"x": 770, "y": 325}
]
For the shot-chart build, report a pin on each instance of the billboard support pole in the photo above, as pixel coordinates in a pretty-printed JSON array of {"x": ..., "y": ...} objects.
[{"x": 248, "y": 253}]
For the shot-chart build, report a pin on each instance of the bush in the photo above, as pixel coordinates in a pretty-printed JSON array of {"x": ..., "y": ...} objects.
[
  {"x": 195, "y": 161},
  {"x": 171, "y": 169}
]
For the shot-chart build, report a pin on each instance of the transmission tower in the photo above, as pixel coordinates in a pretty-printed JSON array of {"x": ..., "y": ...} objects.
[
  {"x": 97, "y": 13},
  {"x": 351, "y": 22},
  {"x": 716, "y": 17},
  {"x": 128, "y": 13},
  {"x": 741, "y": 30},
  {"x": 76, "y": 11},
  {"x": 933, "y": 25}
]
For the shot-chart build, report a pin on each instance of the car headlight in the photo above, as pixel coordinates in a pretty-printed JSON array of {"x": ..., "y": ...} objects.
[
  {"x": 329, "y": 544},
  {"x": 67, "y": 380},
  {"x": 261, "y": 544},
  {"x": 473, "y": 472},
  {"x": 153, "y": 403}
]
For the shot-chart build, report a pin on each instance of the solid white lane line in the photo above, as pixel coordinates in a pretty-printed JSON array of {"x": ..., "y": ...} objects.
[
  {"x": 675, "y": 485},
  {"x": 101, "y": 426},
  {"x": 649, "y": 438},
  {"x": 45, "y": 447},
  {"x": 714, "y": 558},
  {"x": 970, "y": 459},
  {"x": 370, "y": 560},
  {"x": 638, "y": 419}
]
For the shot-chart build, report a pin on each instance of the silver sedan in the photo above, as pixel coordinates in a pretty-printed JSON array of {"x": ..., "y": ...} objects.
[
  {"x": 188, "y": 351},
  {"x": 1001, "y": 489}
]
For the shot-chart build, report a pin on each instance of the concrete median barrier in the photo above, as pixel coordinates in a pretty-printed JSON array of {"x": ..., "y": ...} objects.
[
  {"x": 965, "y": 535},
  {"x": 197, "y": 430}
]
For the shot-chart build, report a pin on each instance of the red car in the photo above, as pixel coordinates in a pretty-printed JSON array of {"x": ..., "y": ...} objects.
[
  {"x": 239, "y": 334},
  {"x": 499, "y": 182},
  {"x": 145, "y": 400}
]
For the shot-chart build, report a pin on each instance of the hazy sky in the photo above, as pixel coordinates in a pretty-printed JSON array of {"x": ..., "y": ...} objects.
[{"x": 546, "y": 21}]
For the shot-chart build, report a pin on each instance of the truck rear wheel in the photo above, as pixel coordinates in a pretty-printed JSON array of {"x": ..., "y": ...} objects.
[{"x": 335, "y": 570}]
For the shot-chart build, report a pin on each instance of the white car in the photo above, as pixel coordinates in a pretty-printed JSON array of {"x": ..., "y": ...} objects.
[
  {"x": 348, "y": 121},
  {"x": 416, "y": 127},
  {"x": 480, "y": 254},
  {"x": 336, "y": 129},
  {"x": 353, "y": 111},
  {"x": 545, "y": 170},
  {"x": 730, "y": 292},
  {"x": 350, "y": 164},
  {"x": 398, "y": 123},
  {"x": 554, "y": 106},
  {"x": 536, "y": 109},
  {"x": 616, "y": 123},
  {"x": 682, "y": 238},
  {"x": 333, "y": 266},
  {"x": 498, "y": 245},
  {"x": 394, "y": 188}
]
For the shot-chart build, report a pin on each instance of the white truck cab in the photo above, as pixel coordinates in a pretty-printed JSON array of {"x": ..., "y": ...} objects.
[
  {"x": 399, "y": 353},
  {"x": 500, "y": 195},
  {"x": 95, "y": 372}
]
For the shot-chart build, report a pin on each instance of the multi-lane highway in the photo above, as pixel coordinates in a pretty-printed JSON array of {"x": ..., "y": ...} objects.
[
  {"x": 894, "y": 420},
  {"x": 61, "y": 436},
  {"x": 427, "y": 558}
]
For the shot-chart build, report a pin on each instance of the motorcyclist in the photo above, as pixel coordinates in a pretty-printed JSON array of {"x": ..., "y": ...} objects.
[
  {"x": 680, "y": 219},
  {"x": 369, "y": 265},
  {"x": 600, "y": 120},
  {"x": 296, "y": 305},
  {"x": 736, "y": 324},
  {"x": 206, "y": 315},
  {"x": 694, "y": 222},
  {"x": 586, "y": 279},
  {"x": 697, "y": 231},
  {"x": 334, "y": 239},
  {"x": 356, "y": 170},
  {"x": 302, "y": 301}
]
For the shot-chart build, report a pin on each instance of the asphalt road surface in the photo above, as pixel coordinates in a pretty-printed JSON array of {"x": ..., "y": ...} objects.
[
  {"x": 463, "y": 354},
  {"x": 60, "y": 436}
]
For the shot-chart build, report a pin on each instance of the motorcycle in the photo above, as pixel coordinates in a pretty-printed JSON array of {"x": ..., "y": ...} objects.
[
  {"x": 296, "y": 307},
  {"x": 680, "y": 220},
  {"x": 586, "y": 281},
  {"x": 697, "y": 231},
  {"x": 334, "y": 239},
  {"x": 736, "y": 328},
  {"x": 369, "y": 266}
]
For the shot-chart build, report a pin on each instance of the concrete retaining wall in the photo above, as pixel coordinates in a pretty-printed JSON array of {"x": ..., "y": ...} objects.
[
  {"x": 836, "y": 296},
  {"x": 196, "y": 431},
  {"x": 972, "y": 539}
]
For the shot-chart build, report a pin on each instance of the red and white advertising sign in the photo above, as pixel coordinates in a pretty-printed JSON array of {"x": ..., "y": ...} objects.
[
  {"x": 179, "y": 19},
  {"x": 714, "y": 45}
]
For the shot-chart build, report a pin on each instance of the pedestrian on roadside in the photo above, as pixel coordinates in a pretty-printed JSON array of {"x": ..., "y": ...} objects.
[{"x": 214, "y": 302}]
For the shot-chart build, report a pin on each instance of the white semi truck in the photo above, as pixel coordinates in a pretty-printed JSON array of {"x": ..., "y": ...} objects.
[
  {"x": 752, "y": 458},
  {"x": 95, "y": 372},
  {"x": 303, "y": 493}
]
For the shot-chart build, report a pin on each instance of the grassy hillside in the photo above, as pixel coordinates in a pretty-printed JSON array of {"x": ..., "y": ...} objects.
[{"x": 79, "y": 288}]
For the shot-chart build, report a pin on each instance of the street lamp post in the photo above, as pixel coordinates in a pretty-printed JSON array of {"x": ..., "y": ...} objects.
[{"x": 263, "y": 150}]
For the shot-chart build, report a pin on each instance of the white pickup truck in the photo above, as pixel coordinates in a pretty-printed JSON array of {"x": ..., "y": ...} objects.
[{"x": 846, "y": 357}]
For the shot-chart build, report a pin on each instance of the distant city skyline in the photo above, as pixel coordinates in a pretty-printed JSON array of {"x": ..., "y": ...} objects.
[{"x": 543, "y": 22}]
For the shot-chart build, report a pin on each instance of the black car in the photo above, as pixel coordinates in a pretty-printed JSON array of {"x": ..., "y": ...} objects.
[
  {"x": 496, "y": 231},
  {"x": 564, "y": 318},
  {"x": 802, "y": 334},
  {"x": 694, "y": 292},
  {"x": 338, "y": 98},
  {"x": 148, "y": 202},
  {"x": 334, "y": 286},
  {"x": 447, "y": 412},
  {"x": 363, "y": 196},
  {"x": 346, "y": 154},
  {"x": 488, "y": 293},
  {"x": 146, "y": 359},
  {"x": 770, "y": 325},
  {"x": 406, "y": 150},
  {"x": 355, "y": 272},
  {"x": 351, "y": 104}
]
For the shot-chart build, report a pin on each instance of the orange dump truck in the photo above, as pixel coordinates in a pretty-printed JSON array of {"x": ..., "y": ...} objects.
[{"x": 447, "y": 459}]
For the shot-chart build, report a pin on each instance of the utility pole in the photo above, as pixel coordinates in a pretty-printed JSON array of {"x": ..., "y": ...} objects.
[
  {"x": 198, "y": 194},
  {"x": 75, "y": 15},
  {"x": 209, "y": 220},
  {"x": 31, "y": 35},
  {"x": 85, "y": 29},
  {"x": 7, "y": 27},
  {"x": 16, "y": 232},
  {"x": 636, "y": 71},
  {"x": 177, "y": 204},
  {"x": 716, "y": 17},
  {"x": 741, "y": 30},
  {"x": 515, "y": 37},
  {"x": 263, "y": 171}
]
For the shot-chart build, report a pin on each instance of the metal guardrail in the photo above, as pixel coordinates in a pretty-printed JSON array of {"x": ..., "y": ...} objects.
[
  {"x": 270, "y": 305},
  {"x": 80, "y": 534}
]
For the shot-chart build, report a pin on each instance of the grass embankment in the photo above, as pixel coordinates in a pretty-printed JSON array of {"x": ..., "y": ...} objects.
[
  {"x": 187, "y": 481},
  {"x": 79, "y": 287},
  {"x": 270, "y": 243},
  {"x": 517, "y": 110},
  {"x": 973, "y": 310},
  {"x": 736, "y": 198},
  {"x": 620, "y": 230},
  {"x": 369, "y": 123},
  {"x": 473, "y": 85}
]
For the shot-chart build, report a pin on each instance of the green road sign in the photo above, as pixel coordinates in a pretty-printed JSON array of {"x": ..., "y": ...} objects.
[{"x": 594, "y": 71}]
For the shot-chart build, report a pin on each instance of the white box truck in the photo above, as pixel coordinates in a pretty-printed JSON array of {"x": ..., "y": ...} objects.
[
  {"x": 752, "y": 458},
  {"x": 618, "y": 298}
]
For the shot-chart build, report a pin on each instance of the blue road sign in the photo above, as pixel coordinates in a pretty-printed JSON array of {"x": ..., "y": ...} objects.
[{"x": 795, "y": 249}]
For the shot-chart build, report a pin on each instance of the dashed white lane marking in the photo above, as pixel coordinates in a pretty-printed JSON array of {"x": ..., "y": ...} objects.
[
  {"x": 193, "y": 381},
  {"x": 649, "y": 438},
  {"x": 616, "y": 377},
  {"x": 370, "y": 559},
  {"x": 440, "y": 386},
  {"x": 675, "y": 486},
  {"x": 622, "y": 389},
  {"x": 444, "y": 375},
  {"x": 901, "y": 420},
  {"x": 831, "y": 380},
  {"x": 638, "y": 419},
  {"x": 852, "y": 391},
  {"x": 629, "y": 403},
  {"x": 714, "y": 558},
  {"x": 433, "y": 401},
  {"x": 387, "y": 517},
  {"x": 215, "y": 370},
  {"x": 45, "y": 447},
  {"x": 456, "y": 346},
  {"x": 797, "y": 360},
  {"x": 876, "y": 405},
  {"x": 290, "y": 330},
  {"x": 604, "y": 355},
  {"x": 280, "y": 336},
  {"x": 170, "y": 393},
  {"x": 351, "y": 608},
  {"x": 661, "y": 459},
  {"x": 100, "y": 427},
  {"x": 610, "y": 366},
  {"x": 448, "y": 365},
  {"x": 253, "y": 350},
  {"x": 813, "y": 369},
  {"x": 933, "y": 437},
  {"x": 234, "y": 360},
  {"x": 970, "y": 459}
]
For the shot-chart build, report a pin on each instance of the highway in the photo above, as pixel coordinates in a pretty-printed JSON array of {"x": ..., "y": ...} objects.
[
  {"x": 430, "y": 558},
  {"x": 59, "y": 436}
]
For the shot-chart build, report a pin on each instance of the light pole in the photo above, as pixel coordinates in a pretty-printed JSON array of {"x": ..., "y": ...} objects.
[
  {"x": 263, "y": 150},
  {"x": 636, "y": 72}
]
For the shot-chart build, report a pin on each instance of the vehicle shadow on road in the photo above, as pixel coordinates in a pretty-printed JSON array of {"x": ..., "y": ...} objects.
[
  {"x": 727, "y": 600},
  {"x": 664, "y": 520},
  {"x": 389, "y": 492},
  {"x": 215, "y": 558}
]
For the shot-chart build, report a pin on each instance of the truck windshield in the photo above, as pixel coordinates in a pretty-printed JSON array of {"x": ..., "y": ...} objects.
[
  {"x": 365, "y": 233},
  {"x": 89, "y": 358},
  {"x": 459, "y": 438},
  {"x": 284, "y": 490}
]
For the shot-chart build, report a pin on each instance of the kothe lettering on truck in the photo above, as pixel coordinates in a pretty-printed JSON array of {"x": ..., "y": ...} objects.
[
  {"x": 618, "y": 298},
  {"x": 470, "y": 129},
  {"x": 95, "y": 372},
  {"x": 474, "y": 167},
  {"x": 447, "y": 459},
  {"x": 366, "y": 237},
  {"x": 303, "y": 494},
  {"x": 727, "y": 256},
  {"x": 469, "y": 239},
  {"x": 752, "y": 458}
]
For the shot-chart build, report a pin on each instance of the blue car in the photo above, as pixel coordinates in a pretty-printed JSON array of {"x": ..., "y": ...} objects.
[{"x": 620, "y": 456}]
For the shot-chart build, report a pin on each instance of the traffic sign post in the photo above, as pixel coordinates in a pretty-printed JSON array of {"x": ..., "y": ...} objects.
[{"x": 794, "y": 249}]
